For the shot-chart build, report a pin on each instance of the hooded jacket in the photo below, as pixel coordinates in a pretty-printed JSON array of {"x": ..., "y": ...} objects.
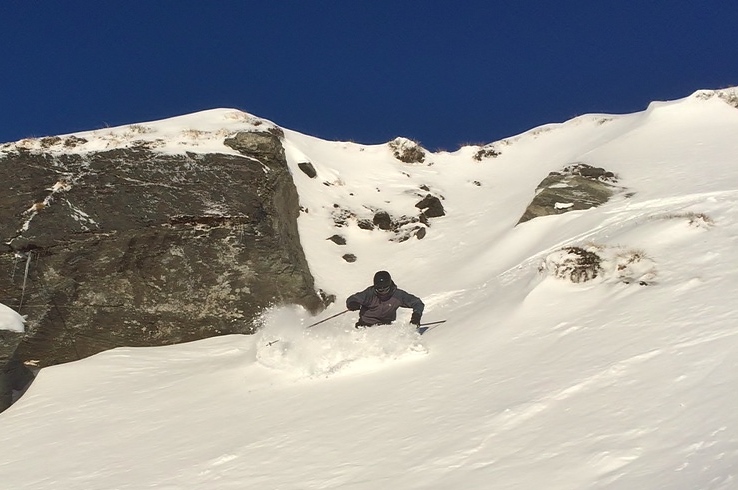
[{"x": 379, "y": 309}]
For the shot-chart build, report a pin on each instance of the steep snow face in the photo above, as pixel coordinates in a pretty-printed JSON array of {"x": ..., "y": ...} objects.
[
  {"x": 686, "y": 144},
  {"x": 533, "y": 381}
]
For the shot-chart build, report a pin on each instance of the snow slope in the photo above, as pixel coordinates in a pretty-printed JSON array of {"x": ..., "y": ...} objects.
[
  {"x": 10, "y": 320},
  {"x": 533, "y": 382}
]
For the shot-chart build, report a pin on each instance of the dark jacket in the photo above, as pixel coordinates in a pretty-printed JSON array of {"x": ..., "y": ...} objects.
[{"x": 377, "y": 310}]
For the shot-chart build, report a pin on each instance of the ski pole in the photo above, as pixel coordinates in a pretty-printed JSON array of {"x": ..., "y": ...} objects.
[
  {"x": 326, "y": 319},
  {"x": 431, "y": 323},
  {"x": 314, "y": 324}
]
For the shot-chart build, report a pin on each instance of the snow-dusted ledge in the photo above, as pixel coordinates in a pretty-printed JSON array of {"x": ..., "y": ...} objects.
[{"x": 10, "y": 320}]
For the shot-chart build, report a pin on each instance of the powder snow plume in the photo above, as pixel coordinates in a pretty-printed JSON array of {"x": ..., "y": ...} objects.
[{"x": 284, "y": 343}]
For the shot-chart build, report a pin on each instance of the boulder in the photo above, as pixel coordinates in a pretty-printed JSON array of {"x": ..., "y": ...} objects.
[
  {"x": 308, "y": 169},
  {"x": 431, "y": 207},
  {"x": 383, "y": 220},
  {"x": 337, "y": 239},
  {"x": 577, "y": 186},
  {"x": 130, "y": 247}
]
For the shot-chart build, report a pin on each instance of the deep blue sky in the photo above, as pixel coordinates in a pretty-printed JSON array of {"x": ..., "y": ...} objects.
[{"x": 442, "y": 72}]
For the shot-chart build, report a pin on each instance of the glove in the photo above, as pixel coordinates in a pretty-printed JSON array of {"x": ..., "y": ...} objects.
[
  {"x": 353, "y": 306},
  {"x": 415, "y": 319}
]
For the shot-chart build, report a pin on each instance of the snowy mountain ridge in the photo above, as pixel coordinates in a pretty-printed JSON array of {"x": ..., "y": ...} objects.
[
  {"x": 625, "y": 380},
  {"x": 204, "y": 131}
]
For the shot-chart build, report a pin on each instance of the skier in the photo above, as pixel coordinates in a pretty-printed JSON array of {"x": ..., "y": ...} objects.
[{"x": 378, "y": 304}]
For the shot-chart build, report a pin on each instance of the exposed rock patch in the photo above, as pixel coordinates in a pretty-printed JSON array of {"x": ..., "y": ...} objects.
[
  {"x": 579, "y": 264},
  {"x": 256, "y": 144},
  {"x": 308, "y": 169},
  {"x": 342, "y": 216},
  {"x": 727, "y": 95},
  {"x": 383, "y": 221},
  {"x": 577, "y": 186},
  {"x": 487, "y": 151},
  {"x": 574, "y": 264},
  {"x": 402, "y": 227},
  {"x": 365, "y": 224},
  {"x": 338, "y": 239},
  {"x": 431, "y": 207},
  {"x": 407, "y": 151}
]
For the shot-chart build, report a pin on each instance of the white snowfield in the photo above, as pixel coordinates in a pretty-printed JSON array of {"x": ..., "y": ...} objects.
[
  {"x": 10, "y": 320},
  {"x": 533, "y": 382}
]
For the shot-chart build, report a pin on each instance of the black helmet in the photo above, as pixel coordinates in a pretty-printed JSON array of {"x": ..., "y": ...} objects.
[{"x": 382, "y": 282}]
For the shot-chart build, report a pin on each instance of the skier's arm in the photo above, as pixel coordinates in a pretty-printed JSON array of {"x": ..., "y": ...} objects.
[
  {"x": 410, "y": 301},
  {"x": 357, "y": 298}
]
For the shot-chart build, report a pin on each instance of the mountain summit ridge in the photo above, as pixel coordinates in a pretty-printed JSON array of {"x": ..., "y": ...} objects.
[{"x": 194, "y": 131}]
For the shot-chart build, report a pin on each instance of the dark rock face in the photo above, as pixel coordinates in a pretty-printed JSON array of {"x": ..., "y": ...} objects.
[
  {"x": 365, "y": 224},
  {"x": 308, "y": 169},
  {"x": 13, "y": 374},
  {"x": 382, "y": 220},
  {"x": 257, "y": 143},
  {"x": 130, "y": 247},
  {"x": 577, "y": 186},
  {"x": 431, "y": 206},
  {"x": 338, "y": 239}
]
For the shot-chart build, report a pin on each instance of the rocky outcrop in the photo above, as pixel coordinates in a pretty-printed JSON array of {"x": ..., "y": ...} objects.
[
  {"x": 487, "y": 151},
  {"x": 133, "y": 247},
  {"x": 577, "y": 186},
  {"x": 604, "y": 262},
  {"x": 407, "y": 151},
  {"x": 431, "y": 207}
]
